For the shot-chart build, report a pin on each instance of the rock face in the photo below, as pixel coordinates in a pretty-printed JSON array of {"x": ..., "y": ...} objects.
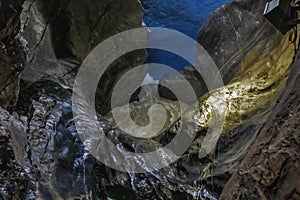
[
  {"x": 248, "y": 99},
  {"x": 55, "y": 162},
  {"x": 240, "y": 26},
  {"x": 271, "y": 168},
  {"x": 43, "y": 157},
  {"x": 14, "y": 181},
  {"x": 191, "y": 76},
  {"x": 12, "y": 52},
  {"x": 139, "y": 112},
  {"x": 232, "y": 31},
  {"x": 61, "y": 34}
]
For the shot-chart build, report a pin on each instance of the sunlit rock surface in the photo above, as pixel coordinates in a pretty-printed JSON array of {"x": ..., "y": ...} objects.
[
  {"x": 234, "y": 30},
  {"x": 248, "y": 102},
  {"x": 271, "y": 168},
  {"x": 256, "y": 76}
]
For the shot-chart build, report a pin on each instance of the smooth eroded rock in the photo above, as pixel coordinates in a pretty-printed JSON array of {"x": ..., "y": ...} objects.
[{"x": 61, "y": 35}]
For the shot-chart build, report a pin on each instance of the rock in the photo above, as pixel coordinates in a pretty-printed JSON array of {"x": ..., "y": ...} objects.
[
  {"x": 12, "y": 52},
  {"x": 246, "y": 106},
  {"x": 57, "y": 165},
  {"x": 260, "y": 77},
  {"x": 271, "y": 168},
  {"x": 171, "y": 80},
  {"x": 257, "y": 66},
  {"x": 14, "y": 181},
  {"x": 10, "y": 11},
  {"x": 141, "y": 115},
  {"x": 232, "y": 31},
  {"x": 41, "y": 130},
  {"x": 61, "y": 35}
]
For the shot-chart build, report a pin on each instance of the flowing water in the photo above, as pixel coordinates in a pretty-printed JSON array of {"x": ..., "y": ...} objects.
[{"x": 185, "y": 16}]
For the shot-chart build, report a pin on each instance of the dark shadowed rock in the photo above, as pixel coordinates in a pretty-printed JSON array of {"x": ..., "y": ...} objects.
[
  {"x": 12, "y": 53},
  {"x": 62, "y": 33},
  {"x": 14, "y": 181},
  {"x": 171, "y": 79}
]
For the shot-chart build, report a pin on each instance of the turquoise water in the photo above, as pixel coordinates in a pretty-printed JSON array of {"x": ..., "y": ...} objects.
[{"x": 185, "y": 16}]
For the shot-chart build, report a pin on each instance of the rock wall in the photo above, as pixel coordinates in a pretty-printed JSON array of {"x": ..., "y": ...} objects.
[
  {"x": 232, "y": 31},
  {"x": 42, "y": 155},
  {"x": 241, "y": 42},
  {"x": 14, "y": 180},
  {"x": 12, "y": 52},
  {"x": 271, "y": 168},
  {"x": 61, "y": 34}
]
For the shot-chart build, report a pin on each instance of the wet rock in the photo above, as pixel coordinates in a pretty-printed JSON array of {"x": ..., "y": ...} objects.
[
  {"x": 56, "y": 162},
  {"x": 246, "y": 110},
  {"x": 12, "y": 52},
  {"x": 10, "y": 11},
  {"x": 41, "y": 130},
  {"x": 247, "y": 99},
  {"x": 271, "y": 168},
  {"x": 160, "y": 117},
  {"x": 232, "y": 31},
  {"x": 73, "y": 175},
  {"x": 171, "y": 80},
  {"x": 61, "y": 35},
  {"x": 14, "y": 181}
]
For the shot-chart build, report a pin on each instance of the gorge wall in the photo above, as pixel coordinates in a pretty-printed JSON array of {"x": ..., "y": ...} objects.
[{"x": 42, "y": 156}]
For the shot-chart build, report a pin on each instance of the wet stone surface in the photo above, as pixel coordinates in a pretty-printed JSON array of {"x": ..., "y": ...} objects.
[{"x": 42, "y": 155}]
